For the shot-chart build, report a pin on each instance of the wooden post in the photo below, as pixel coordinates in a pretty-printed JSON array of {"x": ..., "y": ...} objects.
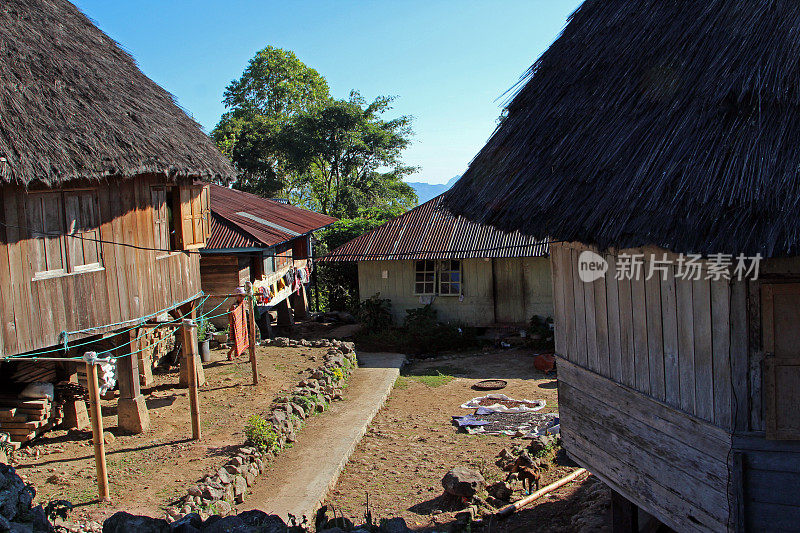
[
  {"x": 132, "y": 415},
  {"x": 251, "y": 332},
  {"x": 189, "y": 331},
  {"x": 97, "y": 431},
  {"x": 624, "y": 514},
  {"x": 183, "y": 375}
]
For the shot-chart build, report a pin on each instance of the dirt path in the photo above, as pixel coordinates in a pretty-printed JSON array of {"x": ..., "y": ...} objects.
[
  {"x": 411, "y": 444},
  {"x": 300, "y": 477},
  {"x": 149, "y": 470}
]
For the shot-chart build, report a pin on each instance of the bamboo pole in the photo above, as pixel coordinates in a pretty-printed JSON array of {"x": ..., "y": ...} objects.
[
  {"x": 97, "y": 430},
  {"x": 189, "y": 331},
  {"x": 251, "y": 333},
  {"x": 513, "y": 507}
]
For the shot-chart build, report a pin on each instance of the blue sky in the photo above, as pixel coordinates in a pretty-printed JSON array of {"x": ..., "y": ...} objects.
[{"x": 448, "y": 62}]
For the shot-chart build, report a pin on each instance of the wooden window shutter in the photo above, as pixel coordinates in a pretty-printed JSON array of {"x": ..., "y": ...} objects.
[
  {"x": 194, "y": 207},
  {"x": 205, "y": 200},
  {"x": 780, "y": 309},
  {"x": 45, "y": 217}
]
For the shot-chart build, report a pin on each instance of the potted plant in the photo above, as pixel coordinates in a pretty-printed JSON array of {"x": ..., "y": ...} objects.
[
  {"x": 205, "y": 330},
  {"x": 221, "y": 336}
]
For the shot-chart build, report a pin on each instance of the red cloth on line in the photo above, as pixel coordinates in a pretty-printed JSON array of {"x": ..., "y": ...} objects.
[{"x": 238, "y": 328}]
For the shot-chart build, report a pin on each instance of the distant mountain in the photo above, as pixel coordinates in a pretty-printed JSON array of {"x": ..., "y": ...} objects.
[{"x": 426, "y": 191}]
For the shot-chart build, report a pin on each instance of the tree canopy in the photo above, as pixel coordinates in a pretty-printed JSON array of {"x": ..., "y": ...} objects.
[
  {"x": 287, "y": 135},
  {"x": 274, "y": 87}
]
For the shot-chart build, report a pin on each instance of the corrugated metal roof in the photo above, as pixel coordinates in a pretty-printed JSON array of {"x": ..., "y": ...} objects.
[
  {"x": 430, "y": 232},
  {"x": 243, "y": 220}
]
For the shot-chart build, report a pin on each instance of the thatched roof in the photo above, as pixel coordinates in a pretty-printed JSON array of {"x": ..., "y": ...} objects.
[
  {"x": 673, "y": 123},
  {"x": 74, "y": 105}
]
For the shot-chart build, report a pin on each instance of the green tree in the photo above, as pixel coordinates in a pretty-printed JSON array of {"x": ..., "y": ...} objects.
[
  {"x": 274, "y": 87},
  {"x": 338, "y": 282},
  {"x": 345, "y": 156}
]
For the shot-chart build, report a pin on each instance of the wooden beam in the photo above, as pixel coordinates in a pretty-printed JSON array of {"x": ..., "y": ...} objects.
[
  {"x": 251, "y": 333},
  {"x": 189, "y": 331},
  {"x": 97, "y": 432}
]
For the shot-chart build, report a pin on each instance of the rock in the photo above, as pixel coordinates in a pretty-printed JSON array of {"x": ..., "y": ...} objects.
[
  {"x": 394, "y": 525},
  {"x": 223, "y": 476},
  {"x": 282, "y": 342},
  {"x": 122, "y": 522},
  {"x": 236, "y": 461},
  {"x": 212, "y": 493},
  {"x": 222, "y": 507},
  {"x": 267, "y": 523},
  {"x": 299, "y": 411},
  {"x": 501, "y": 490},
  {"x": 541, "y": 442},
  {"x": 195, "y": 491},
  {"x": 190, "y": 523},
  {"x": 239, "y": 488},
  {"x": 463, "y": 481}
]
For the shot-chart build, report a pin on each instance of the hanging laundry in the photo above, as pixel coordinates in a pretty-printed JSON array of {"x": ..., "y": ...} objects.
[{"x": 238, "y": 328}]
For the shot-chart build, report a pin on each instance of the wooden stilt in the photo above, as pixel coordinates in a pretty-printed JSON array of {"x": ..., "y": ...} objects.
[
  {"x": 132, "y": 414},
  {"x": 189, "y": 331},
  {"x": 624, "y": 515},
  {"x": 97, "y": 432},
  {"x": 251, "y": 332}
]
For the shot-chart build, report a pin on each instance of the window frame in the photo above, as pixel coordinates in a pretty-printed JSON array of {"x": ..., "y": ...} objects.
[
  {"x": 66, "y": 233},
  {"x": 442, "y": 271},
  {"x": 425, "y": 272}
]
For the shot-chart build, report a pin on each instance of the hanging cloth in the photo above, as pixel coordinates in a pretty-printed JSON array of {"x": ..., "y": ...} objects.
[{"x": 238, "y": 327}]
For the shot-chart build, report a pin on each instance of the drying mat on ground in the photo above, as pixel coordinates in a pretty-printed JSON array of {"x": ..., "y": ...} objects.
[
  {"x": 526, "y": 424},
  {"x": 502, "y": 403}
]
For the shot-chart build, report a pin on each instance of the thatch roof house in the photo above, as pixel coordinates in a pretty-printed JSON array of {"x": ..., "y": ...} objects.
[
  {"x": 470, "y": 273},
  {"x": 99, "y": 209},
  {"x": 652, "y": 128}
]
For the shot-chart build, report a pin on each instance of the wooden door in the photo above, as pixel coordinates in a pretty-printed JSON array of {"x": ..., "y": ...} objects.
[
  {"x": 509, "y": 291},
  {"x": 780, "y": 305}
]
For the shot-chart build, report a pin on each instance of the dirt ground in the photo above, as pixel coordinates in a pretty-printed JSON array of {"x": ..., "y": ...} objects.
[
  {"x": 149, "y": 470},
  {"x": 411, "y": 444}
]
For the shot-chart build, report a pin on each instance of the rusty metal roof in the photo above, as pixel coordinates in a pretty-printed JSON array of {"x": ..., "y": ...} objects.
[
  {"x": 430, "y": 232},
  {"x": 243, "y": 220}
]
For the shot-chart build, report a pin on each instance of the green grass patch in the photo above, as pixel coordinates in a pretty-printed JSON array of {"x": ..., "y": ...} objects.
[{"x": 429, "y": 377}]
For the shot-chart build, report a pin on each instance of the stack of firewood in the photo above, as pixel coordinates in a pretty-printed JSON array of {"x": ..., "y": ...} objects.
[{"x": 24, "y": 418}]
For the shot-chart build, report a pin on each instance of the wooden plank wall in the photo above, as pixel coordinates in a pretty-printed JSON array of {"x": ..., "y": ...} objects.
[
  {"x": 478, "y": 305},
  {"x": 646, "y": 393},
  {"x": 673, "y": 465},
  {"x": 132, "y": 282},
  {"x": 671, "y": 339}
]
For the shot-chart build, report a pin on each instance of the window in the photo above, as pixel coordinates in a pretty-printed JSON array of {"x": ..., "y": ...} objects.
[
  {"x": 450, "y": 278},
  {"x": 64, "y": 231},
  {"x": 425, "y": 280},
  {"x": 83, "y": 230},
  {"x": 181, "y": 217},
  {"x": 438, "y": 277},
  {"x": 45, "y": 213}
]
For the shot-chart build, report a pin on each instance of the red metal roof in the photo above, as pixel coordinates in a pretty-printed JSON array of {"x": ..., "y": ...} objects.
[
  {"x": 430, "y": 232},
  {"x": 243, "y": 220}
]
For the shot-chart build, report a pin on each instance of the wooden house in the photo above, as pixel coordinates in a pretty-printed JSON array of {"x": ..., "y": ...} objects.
[
  {"x": 654, "y": 130},
  {"x": 470, "y": 273},
  {"x": 257, "y": 240},
  {"x": 100, "y": 219}
]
